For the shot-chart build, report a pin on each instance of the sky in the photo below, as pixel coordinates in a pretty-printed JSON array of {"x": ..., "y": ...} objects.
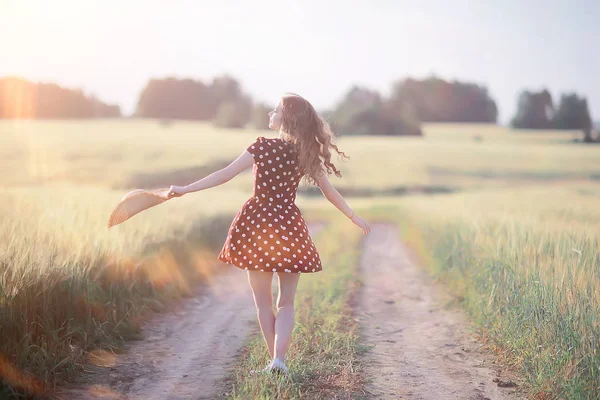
[{"x": 316, "y": 48}]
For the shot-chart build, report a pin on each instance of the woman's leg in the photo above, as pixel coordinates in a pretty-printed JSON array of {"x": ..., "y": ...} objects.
[
  {"x": 284, "y": 323},
  {"x": 260, "y": 282}
]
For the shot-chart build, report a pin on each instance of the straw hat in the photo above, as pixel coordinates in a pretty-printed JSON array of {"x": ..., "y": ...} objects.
[{"x": 135, "y": 202}]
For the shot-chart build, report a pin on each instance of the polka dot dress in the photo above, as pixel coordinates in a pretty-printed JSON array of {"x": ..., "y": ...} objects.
[{"x": 269, "y": 234}]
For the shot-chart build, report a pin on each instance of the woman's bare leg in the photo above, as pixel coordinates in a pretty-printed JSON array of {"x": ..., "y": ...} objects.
[
  {"x": 284, "y": 322},
  {"x": 260, "y": 282}
]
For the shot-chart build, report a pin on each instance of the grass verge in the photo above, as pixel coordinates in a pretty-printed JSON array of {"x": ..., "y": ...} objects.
[
  {"x": 62, "y": 301},
  {"x": 528, "y": 277}
]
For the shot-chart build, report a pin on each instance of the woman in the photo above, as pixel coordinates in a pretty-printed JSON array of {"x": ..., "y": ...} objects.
[{"x": 269, "y": 234}]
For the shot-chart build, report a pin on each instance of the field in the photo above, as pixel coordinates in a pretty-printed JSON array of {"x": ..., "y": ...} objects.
[{"x": 510, "y": 220}]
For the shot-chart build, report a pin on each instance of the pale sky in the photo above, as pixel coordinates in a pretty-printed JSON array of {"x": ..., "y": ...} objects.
[{"x": 318, "y": 49}]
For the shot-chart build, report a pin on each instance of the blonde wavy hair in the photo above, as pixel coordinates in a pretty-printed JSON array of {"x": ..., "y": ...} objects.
[{"x": 311, "y": 136}]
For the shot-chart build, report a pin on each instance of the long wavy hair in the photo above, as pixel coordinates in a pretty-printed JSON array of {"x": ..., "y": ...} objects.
[{"x": 311, "y": 136}]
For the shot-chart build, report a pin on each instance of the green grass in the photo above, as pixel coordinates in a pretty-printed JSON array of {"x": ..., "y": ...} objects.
[
  {"x": 107, "y": 153},
  {"x": 324, "y": 354},
  {"x": 527, "y": 267},
  {"x": 517, "y": 241},
  {"x": 69, "y": 286}
]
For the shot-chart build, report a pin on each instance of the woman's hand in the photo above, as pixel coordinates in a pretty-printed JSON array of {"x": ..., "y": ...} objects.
[
  {"x": 176, "y": 191},
  {"x": 362, "y": 224}
]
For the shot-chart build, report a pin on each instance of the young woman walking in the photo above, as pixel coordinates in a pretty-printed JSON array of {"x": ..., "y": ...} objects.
[{"x": 268, "y": 234}]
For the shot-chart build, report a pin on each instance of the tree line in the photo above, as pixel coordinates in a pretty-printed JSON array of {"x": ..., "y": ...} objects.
[
  {"x": 361, "y": 111},
  {"x": 22, "y": 99},
  {"x": 536, "y": 110}
]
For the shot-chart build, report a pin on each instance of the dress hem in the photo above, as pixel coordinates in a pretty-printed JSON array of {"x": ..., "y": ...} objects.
[{"x": 258, "y": 270}]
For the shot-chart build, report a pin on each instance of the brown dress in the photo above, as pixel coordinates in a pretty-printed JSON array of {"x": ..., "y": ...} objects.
[{"x": 269, "y": 233}]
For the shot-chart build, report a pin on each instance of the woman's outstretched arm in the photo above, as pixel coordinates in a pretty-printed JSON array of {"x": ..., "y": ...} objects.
[
  {"x": 243, "y": 162},
  {"x": 338, "y": 201}
]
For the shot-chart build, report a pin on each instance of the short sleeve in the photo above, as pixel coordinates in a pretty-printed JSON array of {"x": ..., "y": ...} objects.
[{"x": 257, "y": 147}]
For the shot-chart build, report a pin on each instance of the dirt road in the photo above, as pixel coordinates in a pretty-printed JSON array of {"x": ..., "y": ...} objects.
[
  {"x": 422, "y": 348},
  {"x": 186, "y": 354}
]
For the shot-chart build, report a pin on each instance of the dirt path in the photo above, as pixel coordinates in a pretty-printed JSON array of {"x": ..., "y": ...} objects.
[
  {"x": 422, "y": 349},
  {"x": 186, "y": 354}
]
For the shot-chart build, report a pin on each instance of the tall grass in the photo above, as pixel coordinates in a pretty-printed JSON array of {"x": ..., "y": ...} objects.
[
  {"x": 525, "y": 260},
  {"x": 69, "y": 287},
  {"x": 528, "y": 269}
]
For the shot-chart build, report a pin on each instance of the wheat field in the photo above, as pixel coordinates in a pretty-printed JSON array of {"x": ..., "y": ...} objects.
[{"x": 511, "y": 224}]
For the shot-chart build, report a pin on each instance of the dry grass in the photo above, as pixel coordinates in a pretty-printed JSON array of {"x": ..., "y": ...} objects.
[
  {"x": 522, "y": 252},
  {"x": 526, "y": 265},
  {"x": 109, "y": 153},
  {"x": 70, "y": 286}
]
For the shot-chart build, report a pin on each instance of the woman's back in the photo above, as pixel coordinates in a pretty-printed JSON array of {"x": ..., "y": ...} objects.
[{"x": 276, "y": 171}]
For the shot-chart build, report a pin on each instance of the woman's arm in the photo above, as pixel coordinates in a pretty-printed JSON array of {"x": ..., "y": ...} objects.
[
  {"x": 337, "y": 200},
  {"x": 243, "y": 162},
  {"x": 333, "y": 195}
]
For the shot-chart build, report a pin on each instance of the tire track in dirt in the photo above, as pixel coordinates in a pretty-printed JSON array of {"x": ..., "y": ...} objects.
[
  {"x": 422, "y": 349},
  {"x": 186, "y": 354}
]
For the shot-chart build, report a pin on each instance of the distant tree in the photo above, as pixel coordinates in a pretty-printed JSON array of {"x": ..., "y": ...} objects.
[
  {"x": 405, "y": 118},
  {"x": 224, "y": 89},
  {"x": 172, "y": 98},
  {"x": 259, "y": 118},
  {"x": 351, "y": 114},
  {"x": 436, "y": 100},
  {"x": 534, "y": 111},
  {"x": 572, "y": 113},
  {"x": 234, "y": 113},
  {"x": 20, "y": 98},
  {"x": 364, "y": 112}
]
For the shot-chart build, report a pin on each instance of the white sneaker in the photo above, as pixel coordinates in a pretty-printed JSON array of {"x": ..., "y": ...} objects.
[
  {"x": 266, "y": 369},
  {"x": 278, "y": 365}
]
